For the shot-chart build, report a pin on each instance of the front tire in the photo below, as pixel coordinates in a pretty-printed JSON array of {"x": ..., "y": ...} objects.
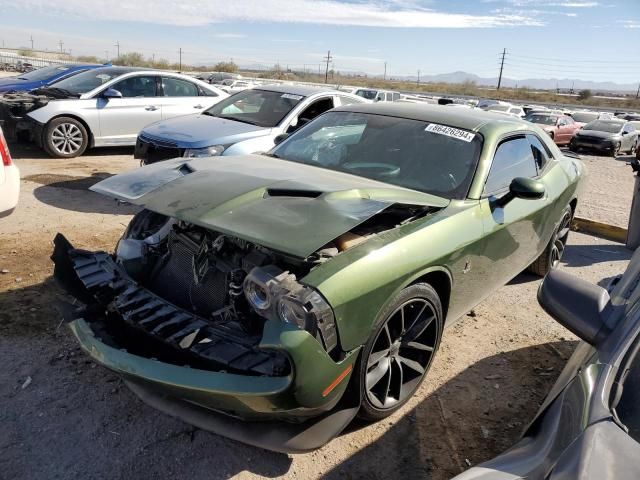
[
  {"x": 616, "y": 150},
  {"x": 399, "y": 352},
  {"x": 65, "y": 137},
  {"x": 550, "y": 258}
]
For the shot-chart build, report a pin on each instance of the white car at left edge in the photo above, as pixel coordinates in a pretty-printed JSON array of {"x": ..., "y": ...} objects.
[{"x": 9, "y": 180}]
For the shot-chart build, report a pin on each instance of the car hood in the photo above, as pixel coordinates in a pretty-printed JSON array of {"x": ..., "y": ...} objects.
[
  {"x": 595, "y": 134},
  {"x": 290, "y": 207},
  {"x": 199, "y": 131},
  {"x": 8, "y": 84}
]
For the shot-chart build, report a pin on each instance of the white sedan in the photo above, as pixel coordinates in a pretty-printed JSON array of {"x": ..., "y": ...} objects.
[
  {"x": 104, "y": 107},
  {"x": 9, "y": 180}
]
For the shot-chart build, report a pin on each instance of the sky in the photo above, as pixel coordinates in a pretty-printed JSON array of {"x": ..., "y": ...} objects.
[{"x": 595, "y": 40}]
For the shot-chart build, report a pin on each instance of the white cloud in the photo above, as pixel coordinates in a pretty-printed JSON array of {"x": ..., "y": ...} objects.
[
  {"x": 394, "y": 13},
  {"x": 229, "y": 35}
]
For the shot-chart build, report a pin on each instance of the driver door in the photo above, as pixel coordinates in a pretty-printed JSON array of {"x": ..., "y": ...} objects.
[
  {"x": 121, "y": 119},
  {"x": 517, "y": 232}
]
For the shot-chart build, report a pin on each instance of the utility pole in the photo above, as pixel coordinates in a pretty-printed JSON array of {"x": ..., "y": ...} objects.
[
  {"x": 638, "y": 92},
  {"x": 117, "y": 45},
  {"x": 326, "y": 71},
  {"x": 384, "y": 77},
  {"x": 180, "y": 69},
  {"x": 106, "y": 56},
  {"x": 31, "y": 38},
  {"x": 504, "y": 52},
  {"x": 418, "y": 81},
  {"x": 61, "y": 44}
]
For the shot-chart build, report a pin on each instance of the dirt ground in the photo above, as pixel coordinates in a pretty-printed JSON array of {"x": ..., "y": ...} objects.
[{"x": 64, "y": 417}]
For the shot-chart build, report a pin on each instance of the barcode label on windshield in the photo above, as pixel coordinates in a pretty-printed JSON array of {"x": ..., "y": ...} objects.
[
  {"x": 450, "y": 132},
  {"x": 291, "y": 96}
]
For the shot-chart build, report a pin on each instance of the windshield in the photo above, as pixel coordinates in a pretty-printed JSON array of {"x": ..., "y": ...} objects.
[
  {"x": 408, "y": 153},
  {"x": 602, "y": 126},
  {"x": 43, "y": 73},
  {"x": 257, "y": 107},
  {"x": 584, "y": 117},
  {"x": 368, "y": 94},
  {"x": 542, "y": 119},
  {"x": 86, "y": 81}
]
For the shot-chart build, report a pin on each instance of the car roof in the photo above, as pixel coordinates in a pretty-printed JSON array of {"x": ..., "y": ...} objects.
[
  {"x": 467, "y": 119},
  {"x": 118, "y": 69},
  {"x": 303, "y": 90}
]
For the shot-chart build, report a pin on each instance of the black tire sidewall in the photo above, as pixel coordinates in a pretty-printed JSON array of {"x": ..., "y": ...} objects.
[
  {"x": 48, "y": 141},
  {"x": 418, "y": 290}
]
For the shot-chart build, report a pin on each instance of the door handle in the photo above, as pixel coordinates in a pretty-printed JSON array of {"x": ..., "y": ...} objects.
[
  {"x": 197, "y": 106},
  {"x": 150, "y": 108}
]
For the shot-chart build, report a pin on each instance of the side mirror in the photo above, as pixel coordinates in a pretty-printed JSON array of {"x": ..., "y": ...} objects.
[
  {"x": 576, "y": 304},
  {"x": 280, "y": 138},
  {"x": 524, "y": 188},
  {"x": 624, "y": 132},
  {"x": 111, "y": 93}
]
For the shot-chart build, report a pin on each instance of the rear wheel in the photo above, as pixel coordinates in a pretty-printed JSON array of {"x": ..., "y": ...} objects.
[
  {"x": 550, "y": 258},
  {"x": 65, "y": 137},
  {"x": 634, "y": 145},
  {"x": 399, "y": 352}
]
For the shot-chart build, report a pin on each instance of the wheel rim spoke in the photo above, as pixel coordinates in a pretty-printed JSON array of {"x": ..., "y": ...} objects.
[
  {"x": 375, "y": 375},
  {"x": 418, "y": 346},
  {"x": 67, "y": 138},
  {"x": 412, "y": 364},
  {"x": 375, "y": 357}
]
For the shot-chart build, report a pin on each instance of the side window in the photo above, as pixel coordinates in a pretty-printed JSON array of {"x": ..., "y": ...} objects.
[
  {"x": 396, "y": 97},
  {"x": 569, "y": 120},
  {"x": 206, "y": 93},
  {"x": 176, "y": 87},
  {"x": 513, "y": 158},
  {"x": 137, "y": 87},
  {"x": 315, "y": 109},
  {"x": 628, "y": 407},
  {"x": 540, "y": 153},
  {"x": 348, "y": 100},
  {"x": 389, "y": 97}
]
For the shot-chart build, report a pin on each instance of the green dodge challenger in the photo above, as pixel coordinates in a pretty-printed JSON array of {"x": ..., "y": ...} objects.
[{"x": 271, "y": 298}]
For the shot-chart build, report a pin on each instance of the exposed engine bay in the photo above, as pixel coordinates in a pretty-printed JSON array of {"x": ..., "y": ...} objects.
[{"x": 183, "y": 293}]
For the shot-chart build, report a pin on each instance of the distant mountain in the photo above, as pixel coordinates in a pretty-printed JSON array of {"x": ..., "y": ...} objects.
[{"x": 533, "y": 83}]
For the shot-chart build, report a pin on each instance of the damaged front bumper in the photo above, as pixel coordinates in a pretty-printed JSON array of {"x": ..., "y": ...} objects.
[
  {"x": 227, "y": 385},
  {"x": 14, "y": 120}
]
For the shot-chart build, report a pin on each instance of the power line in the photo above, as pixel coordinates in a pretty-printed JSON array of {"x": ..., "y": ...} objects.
[{"x": 564, "y": 60}]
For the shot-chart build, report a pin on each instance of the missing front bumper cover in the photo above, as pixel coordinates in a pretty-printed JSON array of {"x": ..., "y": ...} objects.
[{"x": 119, "y": 302}]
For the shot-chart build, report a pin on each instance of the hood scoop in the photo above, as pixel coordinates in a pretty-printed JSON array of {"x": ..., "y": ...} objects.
[{"x": 289, "y": 192}]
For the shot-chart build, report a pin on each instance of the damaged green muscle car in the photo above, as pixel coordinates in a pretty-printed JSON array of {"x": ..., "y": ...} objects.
[{"x": 271, "y": 298}]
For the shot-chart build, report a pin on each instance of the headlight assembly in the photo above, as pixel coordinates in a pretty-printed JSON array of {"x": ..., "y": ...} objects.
[
  {"x": 276, "y": 294},
  {"x": 212, "y": 151}
]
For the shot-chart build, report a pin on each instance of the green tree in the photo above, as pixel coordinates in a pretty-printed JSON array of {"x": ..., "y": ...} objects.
[
  {"x": 228, "y": 67},
  {"x": 88, "y": 59},
  {"x": 584, "y": 94}
]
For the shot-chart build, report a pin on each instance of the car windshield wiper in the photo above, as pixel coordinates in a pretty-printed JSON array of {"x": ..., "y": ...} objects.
[{"x": 242, "y": 120}]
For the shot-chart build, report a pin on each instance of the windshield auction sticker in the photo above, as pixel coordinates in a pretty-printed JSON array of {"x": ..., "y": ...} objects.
[
  {"x": 291, "y": 96},
  {"x": 450, "y": 132}
]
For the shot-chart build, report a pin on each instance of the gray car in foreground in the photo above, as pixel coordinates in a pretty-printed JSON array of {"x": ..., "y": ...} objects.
[
  {"x": 588, "y": 427},
  {"x": 247, "y": 122}
]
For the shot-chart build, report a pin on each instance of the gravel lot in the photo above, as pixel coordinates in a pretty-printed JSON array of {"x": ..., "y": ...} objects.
[{"x": 77, "y": 420}]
